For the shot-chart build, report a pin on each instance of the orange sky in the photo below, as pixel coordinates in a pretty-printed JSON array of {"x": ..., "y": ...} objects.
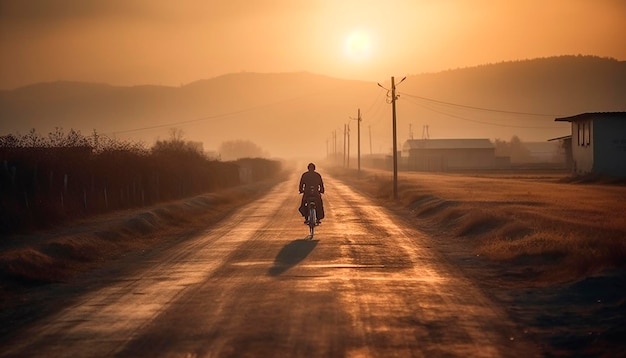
[{"x": 128, "y": 42}]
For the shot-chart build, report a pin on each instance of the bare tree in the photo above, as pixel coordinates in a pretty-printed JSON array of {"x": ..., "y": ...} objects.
[{"x": 237, "y": 149}]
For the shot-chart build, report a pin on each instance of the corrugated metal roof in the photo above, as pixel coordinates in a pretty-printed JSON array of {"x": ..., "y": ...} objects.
[
  {"x": 592, "y": 115},
  {"x": 447, "y": 144}
]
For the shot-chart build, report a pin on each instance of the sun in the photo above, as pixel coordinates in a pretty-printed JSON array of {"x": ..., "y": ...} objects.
[{"x": 358, "y": 46}]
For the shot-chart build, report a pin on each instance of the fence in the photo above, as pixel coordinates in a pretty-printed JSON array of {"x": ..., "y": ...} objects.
[{"x": 43, "y": 186}]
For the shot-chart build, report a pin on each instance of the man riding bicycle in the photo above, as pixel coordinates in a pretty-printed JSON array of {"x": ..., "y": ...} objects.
[{"x": 311, "y": 179}]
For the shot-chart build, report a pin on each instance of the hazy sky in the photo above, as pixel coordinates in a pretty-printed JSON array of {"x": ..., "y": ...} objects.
[{"x": 128, "y": 42}]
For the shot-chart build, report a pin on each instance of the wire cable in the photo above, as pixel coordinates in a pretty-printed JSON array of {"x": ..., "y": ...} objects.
[
  {"x": 217, "y": 116},
  {"x": 481, "y": 108},
  {"x": 477, "y": 121},
  {"x": 376, "y": 114}
]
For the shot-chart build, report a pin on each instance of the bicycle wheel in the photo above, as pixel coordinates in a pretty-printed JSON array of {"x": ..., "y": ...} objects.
[{"x": 312, "y": 218}]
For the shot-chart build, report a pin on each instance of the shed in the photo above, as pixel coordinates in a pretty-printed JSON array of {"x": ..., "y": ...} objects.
[
  {"x": 448, "y": 154},
  {"x": 598, "y": 143}
]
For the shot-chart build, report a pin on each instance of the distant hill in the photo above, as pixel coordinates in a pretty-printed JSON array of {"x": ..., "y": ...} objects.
[{"x": 296, "y": 114}]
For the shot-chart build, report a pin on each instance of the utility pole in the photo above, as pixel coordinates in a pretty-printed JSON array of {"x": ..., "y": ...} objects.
[
  {"x": 348, "y": 161},
  {"x": 326, "y": 148},
  {"x": 344, "y": 145},
  {"x": 335, "y": 147},
  {"x": 395, "y": 139},
  {"x": 358, "y": 119},
  {"x": 425, "y": 134},
  {"x": 370, "y": 128},
  {"x": 358, "y": 140}
]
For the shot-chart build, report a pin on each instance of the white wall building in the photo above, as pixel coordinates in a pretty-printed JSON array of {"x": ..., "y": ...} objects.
[{"x": 598, "y": 143}]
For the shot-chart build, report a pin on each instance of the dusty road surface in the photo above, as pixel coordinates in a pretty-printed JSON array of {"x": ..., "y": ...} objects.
[{"x": 255, "y": 285}]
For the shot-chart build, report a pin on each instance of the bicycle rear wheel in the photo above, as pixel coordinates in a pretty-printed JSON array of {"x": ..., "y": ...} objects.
[{"x": 312, "y": 221}]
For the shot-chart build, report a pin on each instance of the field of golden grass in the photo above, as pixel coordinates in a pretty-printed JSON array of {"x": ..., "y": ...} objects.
[{"x": 564, "y": 231}]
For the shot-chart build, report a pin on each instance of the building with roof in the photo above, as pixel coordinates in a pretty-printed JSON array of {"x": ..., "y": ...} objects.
[
  {"x": 448, "y": 154},
  {"x": 598, "y": 143}
]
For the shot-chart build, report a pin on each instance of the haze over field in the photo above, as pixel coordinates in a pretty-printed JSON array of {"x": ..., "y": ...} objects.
[{"x": 224, "y": 70}]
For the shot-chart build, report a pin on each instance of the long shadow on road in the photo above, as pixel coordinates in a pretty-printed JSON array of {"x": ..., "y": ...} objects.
[{"x": 291, "y": 254}]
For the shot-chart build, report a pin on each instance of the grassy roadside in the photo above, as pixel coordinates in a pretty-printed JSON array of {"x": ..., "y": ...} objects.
[
  {"x": 552, "y": 254},
  {"x": 35, "y": 259},
  {"x": 561, "y": 234}
]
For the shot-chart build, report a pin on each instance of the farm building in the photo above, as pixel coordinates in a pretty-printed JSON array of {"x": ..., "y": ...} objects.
[
  {"x": 598, "y": 143},
  {"x": 448, "y": 154}
]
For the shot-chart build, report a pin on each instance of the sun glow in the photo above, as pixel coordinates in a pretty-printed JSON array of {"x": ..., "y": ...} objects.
[{"x": 358, "y": 46}]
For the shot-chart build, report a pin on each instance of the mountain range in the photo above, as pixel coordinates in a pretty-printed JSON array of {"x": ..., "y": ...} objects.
[{"x": 304, "y": 114}]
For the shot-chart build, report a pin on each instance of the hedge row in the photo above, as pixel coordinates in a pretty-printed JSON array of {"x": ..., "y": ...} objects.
[{"x": 44, "y": 181}]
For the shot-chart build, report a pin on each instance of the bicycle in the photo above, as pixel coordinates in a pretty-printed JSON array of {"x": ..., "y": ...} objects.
[{"x": 312, "y": 216}]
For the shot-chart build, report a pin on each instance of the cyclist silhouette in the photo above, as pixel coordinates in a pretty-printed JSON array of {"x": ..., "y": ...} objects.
[{"x": 313, "y": 179}]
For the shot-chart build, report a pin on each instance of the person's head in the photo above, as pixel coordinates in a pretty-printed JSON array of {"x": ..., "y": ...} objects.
[{"x": 311, "y": 167}]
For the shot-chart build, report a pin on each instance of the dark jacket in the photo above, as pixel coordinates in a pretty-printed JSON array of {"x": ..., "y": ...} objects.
[{"x": 311, "y": 178}]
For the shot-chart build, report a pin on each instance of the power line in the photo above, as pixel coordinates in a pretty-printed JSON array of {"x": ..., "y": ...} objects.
[
  {"x": 482, "y": 108},
  {"x": 376, "y": 101},
  {"x": 223, "y": 115},
  {"x": 380, "y": 101},
  {"x": 186, "y": 122},
  {"x": 480, "y": 122}
]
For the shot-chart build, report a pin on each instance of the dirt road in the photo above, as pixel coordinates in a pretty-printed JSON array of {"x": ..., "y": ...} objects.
[{"x": 254, "y": 285}]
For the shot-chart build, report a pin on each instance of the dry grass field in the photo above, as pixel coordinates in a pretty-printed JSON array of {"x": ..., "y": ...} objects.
[
  {"x": 575, "y": 229},
  {"x": 551, "y": 251}
]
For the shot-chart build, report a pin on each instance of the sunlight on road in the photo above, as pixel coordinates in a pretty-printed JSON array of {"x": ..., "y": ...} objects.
[{"x": 367, "y": 285}]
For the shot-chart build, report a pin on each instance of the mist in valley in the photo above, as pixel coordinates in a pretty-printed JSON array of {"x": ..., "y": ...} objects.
[{"x": 305, "y": 115}]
